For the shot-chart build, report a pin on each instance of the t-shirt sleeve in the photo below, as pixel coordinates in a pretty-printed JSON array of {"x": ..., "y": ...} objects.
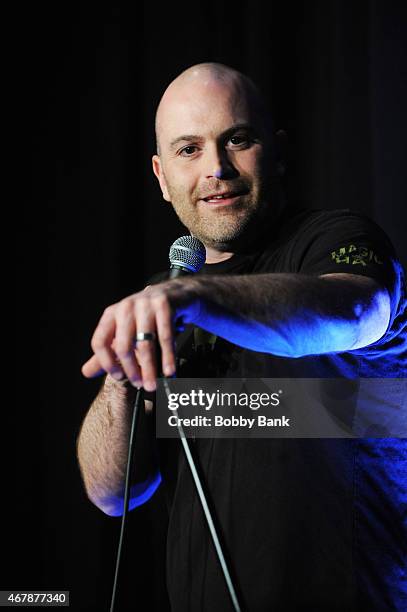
[{"x": 348, "y": 242}]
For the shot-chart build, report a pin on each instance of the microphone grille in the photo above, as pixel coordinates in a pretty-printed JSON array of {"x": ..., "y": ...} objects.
[{"x": 188, "y": 252}]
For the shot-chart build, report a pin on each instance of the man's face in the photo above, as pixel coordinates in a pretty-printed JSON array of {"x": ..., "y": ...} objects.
[{"x": 214, "y": 164}]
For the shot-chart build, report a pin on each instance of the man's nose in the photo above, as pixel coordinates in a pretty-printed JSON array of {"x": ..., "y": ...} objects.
[{"x": 220, "y": 166}]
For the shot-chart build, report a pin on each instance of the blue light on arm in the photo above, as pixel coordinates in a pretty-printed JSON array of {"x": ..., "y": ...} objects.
[
  {"x": 292, "y": 315},
  {"x": 140, "y": 493}
]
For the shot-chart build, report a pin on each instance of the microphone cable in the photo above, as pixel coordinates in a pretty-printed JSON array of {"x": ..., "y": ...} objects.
[
  {"x": 187, "y": 255},
  {"x": 205, "y": 508},
  {"x": 139, "y": 401}
]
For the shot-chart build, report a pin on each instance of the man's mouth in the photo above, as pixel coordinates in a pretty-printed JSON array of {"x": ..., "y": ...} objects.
[{"x": 226, "y": 197}]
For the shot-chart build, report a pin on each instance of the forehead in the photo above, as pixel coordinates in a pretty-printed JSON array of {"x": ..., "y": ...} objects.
[{"x": 205, "y": 108}]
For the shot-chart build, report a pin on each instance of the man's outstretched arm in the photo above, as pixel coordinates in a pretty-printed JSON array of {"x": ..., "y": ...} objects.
[
  {"x": 294, "y": 315},
  {"x": 289, "y": 315}
]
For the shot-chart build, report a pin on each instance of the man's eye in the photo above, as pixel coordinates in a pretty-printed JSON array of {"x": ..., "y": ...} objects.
[
  {"x": 239, "y": 140},
  {"x": 188, "y": 151}
]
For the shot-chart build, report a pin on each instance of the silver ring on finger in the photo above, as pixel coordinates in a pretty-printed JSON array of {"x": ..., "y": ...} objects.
[{"x": 145, "y": 336}]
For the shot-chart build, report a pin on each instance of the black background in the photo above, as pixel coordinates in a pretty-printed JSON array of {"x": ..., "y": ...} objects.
[{"x": 94, "y": 226}]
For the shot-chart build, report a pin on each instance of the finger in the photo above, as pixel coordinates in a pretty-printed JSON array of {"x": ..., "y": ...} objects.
[
  {"x": 124, "y": 342},
  {"x": 145, "y": 350},
  {"x": 92, "y": 368},
  {"x": 102, "y": 341},
  {"x": 166, "y": 337}
]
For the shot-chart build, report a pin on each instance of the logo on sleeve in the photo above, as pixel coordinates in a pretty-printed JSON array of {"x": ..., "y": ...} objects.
[{"x": 355, "y": 255}]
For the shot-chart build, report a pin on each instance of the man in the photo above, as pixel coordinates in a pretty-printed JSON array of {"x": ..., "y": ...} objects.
[{"x": 308, "y": 523}]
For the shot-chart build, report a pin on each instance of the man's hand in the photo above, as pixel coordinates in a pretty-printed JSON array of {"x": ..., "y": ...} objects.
[{"x": 157, "y": 310}]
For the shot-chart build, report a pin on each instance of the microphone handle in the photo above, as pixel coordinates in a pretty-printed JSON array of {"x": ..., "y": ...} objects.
[{"x": 177, "y": 271}]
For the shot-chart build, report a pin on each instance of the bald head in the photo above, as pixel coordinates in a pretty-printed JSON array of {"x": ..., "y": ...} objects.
[{"x": 209, "y": 79}]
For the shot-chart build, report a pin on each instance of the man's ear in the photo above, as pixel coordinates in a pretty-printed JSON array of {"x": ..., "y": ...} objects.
[{"x": 158, "y": 171}]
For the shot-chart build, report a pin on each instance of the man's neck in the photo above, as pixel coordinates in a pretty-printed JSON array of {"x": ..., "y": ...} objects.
[{"x": 214, "y": 256}]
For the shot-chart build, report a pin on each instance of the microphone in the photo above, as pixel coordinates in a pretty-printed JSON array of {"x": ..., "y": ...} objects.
[{"x": 187, "y": 256}]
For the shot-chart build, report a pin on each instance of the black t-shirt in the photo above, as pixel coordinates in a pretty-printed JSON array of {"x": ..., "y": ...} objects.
[{"x": 310, "y": 524}]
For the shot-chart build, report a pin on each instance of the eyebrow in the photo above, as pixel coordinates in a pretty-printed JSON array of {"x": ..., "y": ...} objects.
[
  {"x": 186, "y": 138},
  {"x": 228, "y": 132}
]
